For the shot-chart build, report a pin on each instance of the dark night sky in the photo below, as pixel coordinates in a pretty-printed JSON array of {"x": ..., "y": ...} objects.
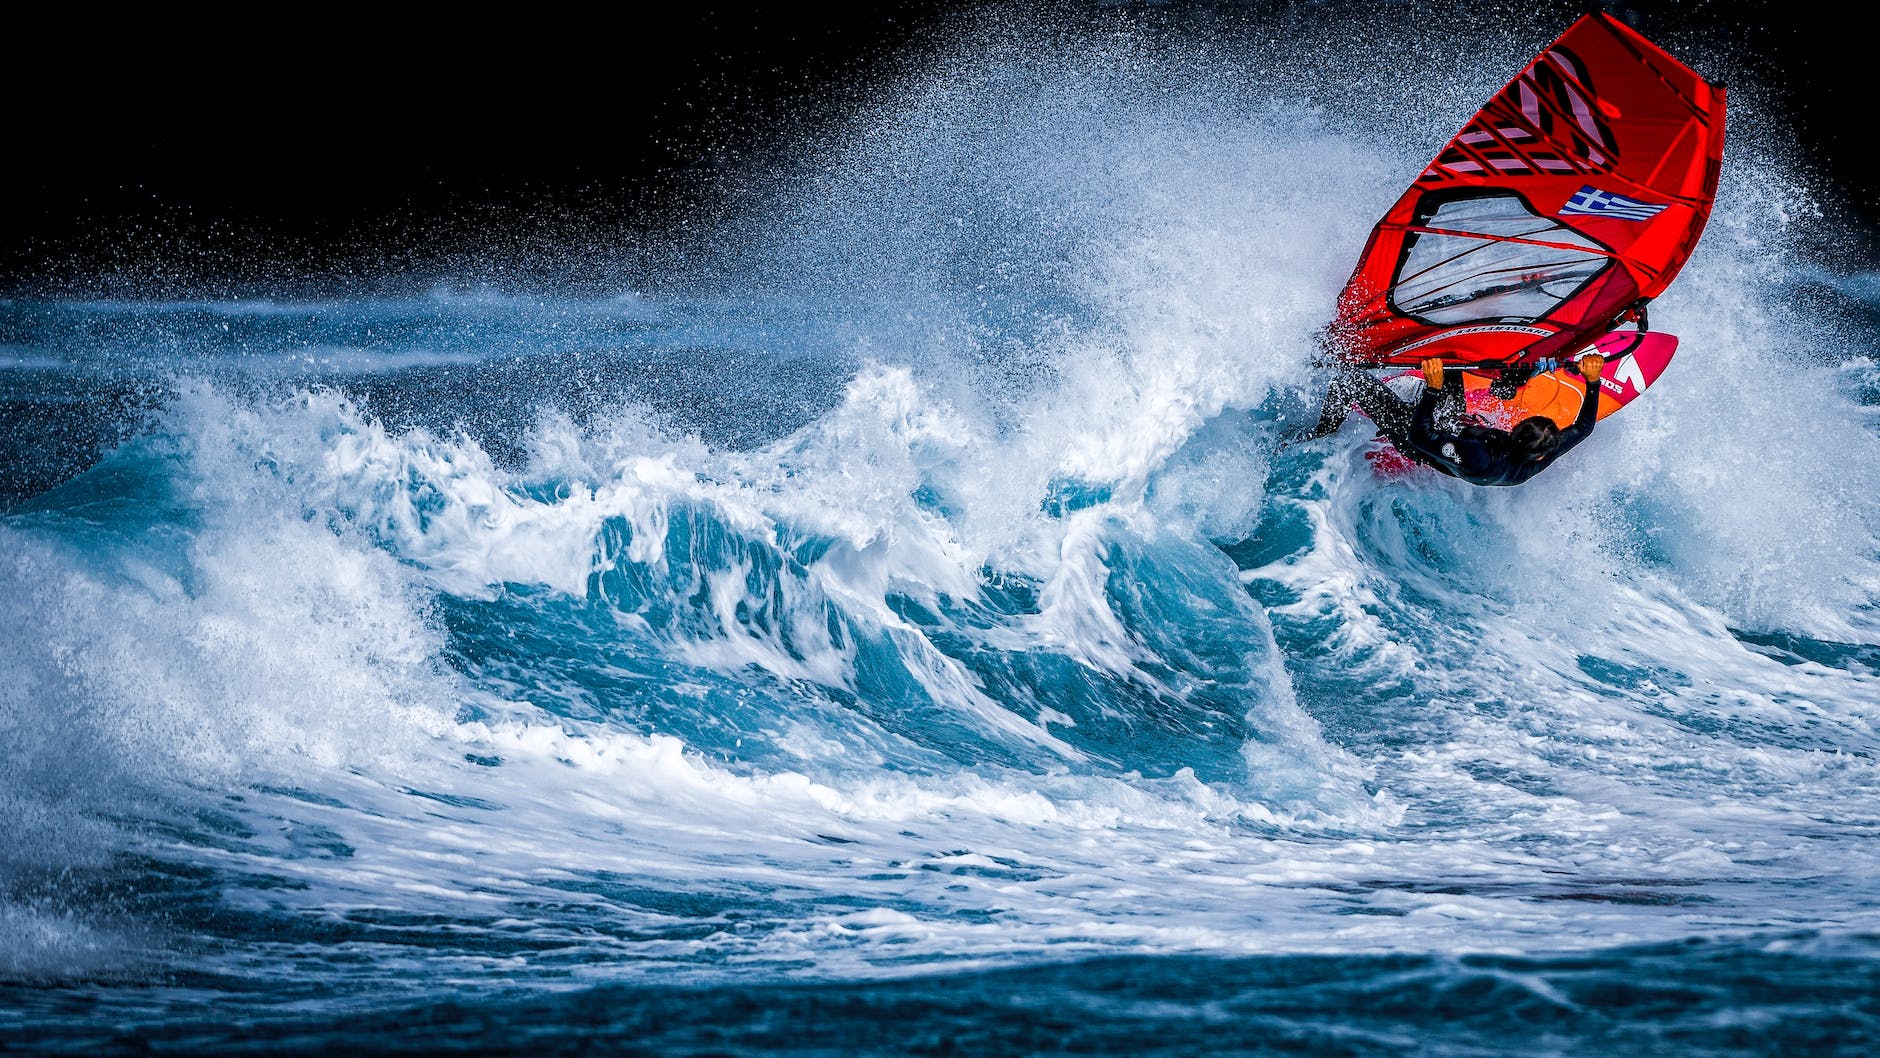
[
  {"x": 309, "y": 140},
  {"x": 309, "y": 137}
]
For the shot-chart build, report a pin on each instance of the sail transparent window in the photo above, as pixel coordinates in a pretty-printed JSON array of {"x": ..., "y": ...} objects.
[{"x": 1479, "y": 277}]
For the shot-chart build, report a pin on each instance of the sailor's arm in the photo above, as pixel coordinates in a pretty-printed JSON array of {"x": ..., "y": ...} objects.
[
  {"x": 1592, "y": 366},
  {"x": 1423, "y": 418},
  {"x": 1424, "y": 436}
]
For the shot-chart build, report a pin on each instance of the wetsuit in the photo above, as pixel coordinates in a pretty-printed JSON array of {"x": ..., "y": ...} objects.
[{"x": 1478, "y": 454}]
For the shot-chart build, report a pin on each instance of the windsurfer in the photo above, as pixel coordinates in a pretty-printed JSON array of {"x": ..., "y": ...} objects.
[
  {"x": 1473, "y": 451},
  {"x": 1567, "y": 203}
]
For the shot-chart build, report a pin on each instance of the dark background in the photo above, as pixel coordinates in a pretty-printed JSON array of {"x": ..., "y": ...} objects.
[{"x": 152, "y": 151}]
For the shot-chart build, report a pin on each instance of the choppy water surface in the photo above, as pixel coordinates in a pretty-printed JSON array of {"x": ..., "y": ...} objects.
[{"x": 918, "y": 643}]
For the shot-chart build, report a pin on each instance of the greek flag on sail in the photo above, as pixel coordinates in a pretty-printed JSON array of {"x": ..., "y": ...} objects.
[{"x": 1591, "y": 201}]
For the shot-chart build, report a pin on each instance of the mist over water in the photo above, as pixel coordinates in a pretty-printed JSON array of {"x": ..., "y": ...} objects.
[{"x": 907, "y": 586}]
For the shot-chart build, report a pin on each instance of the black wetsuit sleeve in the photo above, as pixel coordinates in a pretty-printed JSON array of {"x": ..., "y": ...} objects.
[
  {"x": 1438, "y": 448},
  {"x": 1582, "y": 427},
  {"x": 1423, "y": 418}
]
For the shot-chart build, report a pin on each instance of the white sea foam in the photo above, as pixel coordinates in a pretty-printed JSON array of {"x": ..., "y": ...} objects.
[{"x": 1471, "y": 719}]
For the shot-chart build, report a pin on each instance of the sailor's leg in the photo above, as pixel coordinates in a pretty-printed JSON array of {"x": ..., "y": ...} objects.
[
  {"x": 1348, "y": 385},
  {"x": 1389, "y": 411},
  {"x": 1332, "y": 411}
]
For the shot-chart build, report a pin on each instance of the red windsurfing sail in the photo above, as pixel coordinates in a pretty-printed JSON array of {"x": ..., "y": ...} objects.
[{"x": 1573, "y": 197}]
